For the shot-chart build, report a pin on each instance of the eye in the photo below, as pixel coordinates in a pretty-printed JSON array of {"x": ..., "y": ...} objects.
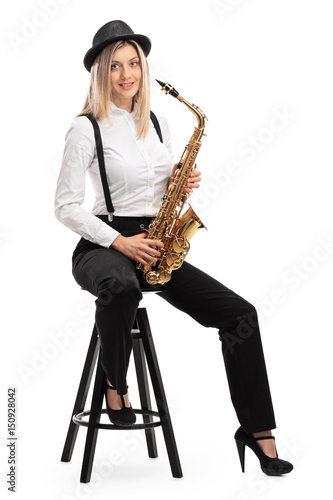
[
  {"x": 134, "y": 63},
  {"x": 114, "y": 66}
]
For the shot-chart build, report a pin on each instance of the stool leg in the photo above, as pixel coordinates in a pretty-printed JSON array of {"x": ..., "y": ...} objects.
[
  {"x": 160, "y": 397},
  {"x": 141, "y": 373},
  {"x": 94, "y": 418},
  {"x": 81, "y": 397}
]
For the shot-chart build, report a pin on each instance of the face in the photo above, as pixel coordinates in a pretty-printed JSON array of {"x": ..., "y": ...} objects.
[{"x": 125, "y": 76}]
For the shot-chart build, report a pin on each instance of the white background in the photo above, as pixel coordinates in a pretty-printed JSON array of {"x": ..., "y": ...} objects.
[{"x": 241, "y": 62}]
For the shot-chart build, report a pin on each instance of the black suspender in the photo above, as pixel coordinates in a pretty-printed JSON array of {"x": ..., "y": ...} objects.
[
  {"x": 100, "y": 156},
  {"x": 156, "y": 125}
]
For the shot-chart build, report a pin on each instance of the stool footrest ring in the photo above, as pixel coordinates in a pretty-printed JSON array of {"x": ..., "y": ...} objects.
[{"x": 77, "y": 419}]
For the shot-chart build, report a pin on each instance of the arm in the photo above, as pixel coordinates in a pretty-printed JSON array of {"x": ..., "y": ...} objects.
[{"x": 78, "y": 155}]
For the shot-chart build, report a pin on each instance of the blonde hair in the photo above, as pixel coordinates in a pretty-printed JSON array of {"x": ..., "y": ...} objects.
[{"x": 99, "y": 93}]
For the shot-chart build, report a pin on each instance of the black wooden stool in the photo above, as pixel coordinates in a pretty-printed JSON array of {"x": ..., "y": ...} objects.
[{"x": 143, "y": 347}]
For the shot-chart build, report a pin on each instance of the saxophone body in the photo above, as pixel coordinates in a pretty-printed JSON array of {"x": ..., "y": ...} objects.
[{"x": 170, "y": 226}]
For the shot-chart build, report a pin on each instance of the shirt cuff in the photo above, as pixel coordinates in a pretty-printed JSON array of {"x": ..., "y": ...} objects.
[{"x": 106, "y": 236}]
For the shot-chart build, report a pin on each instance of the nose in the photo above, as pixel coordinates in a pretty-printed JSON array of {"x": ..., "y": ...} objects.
[{"x": 125, "y": 72}]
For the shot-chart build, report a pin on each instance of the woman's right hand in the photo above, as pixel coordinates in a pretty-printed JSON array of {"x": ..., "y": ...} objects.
[{"x": 138, "y": 248}]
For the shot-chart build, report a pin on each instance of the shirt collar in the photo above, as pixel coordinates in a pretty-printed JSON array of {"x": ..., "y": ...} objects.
[{"x": 115, "y": 109}]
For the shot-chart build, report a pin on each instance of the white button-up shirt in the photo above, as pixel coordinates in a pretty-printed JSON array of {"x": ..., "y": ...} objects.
[{"x": 138, "y": 171}]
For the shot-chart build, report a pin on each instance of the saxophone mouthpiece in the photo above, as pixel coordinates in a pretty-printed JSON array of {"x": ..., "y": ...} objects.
[
  {"x": 161, "y": 83},
  {"x": 168, "y": 89}
]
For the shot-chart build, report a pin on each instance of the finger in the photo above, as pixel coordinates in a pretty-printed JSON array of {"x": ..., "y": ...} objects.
[
  {"x": 197, "y": 178},
  {"x": 152, "y": 251},
  {"x": 148, "y": 258},
  {"x": 191, "y": 186},
  {"x": 154, "y": 243},
  {"x": 142, "y": 235},
  {"x": 142, "y": 261},
  {"x": 193, "y": 179},
  {"x": 144, "y": 258}
]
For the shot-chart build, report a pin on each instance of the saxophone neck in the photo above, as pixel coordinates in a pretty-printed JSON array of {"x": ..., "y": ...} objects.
[{"x": 200, "y": 115}]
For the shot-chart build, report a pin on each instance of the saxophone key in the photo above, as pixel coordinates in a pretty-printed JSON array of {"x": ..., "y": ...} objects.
[
  {"x": 181, "y": 245},
  {"x": 174, "y": 260}
]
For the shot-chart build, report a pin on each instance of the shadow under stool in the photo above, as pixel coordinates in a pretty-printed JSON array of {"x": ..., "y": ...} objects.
[{"x": 144, "y": 354}]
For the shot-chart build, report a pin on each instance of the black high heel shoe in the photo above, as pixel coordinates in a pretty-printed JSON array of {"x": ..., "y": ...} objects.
[
  {"x": 125, "y": 417},
  {"x": 270, "y": 466}
]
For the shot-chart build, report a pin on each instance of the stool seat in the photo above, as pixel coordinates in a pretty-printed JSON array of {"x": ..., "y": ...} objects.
[
  {"x": 144, "y": 353},
  {"x": 145, "y": 288}
]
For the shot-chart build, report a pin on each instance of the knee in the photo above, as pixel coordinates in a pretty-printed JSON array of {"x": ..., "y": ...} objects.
[
  {"x": 243, "y": 326},
  {"x": 242, "y": 316},
  {"x": 119, "y": 288},
  {"x": 246, "y": 311}
]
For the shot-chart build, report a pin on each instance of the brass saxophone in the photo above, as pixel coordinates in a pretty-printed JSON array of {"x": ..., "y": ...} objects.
[{"x": 169, "y": 226}]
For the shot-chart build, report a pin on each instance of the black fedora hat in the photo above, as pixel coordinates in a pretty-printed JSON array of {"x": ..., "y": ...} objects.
[{"x": 113, "y": 32}]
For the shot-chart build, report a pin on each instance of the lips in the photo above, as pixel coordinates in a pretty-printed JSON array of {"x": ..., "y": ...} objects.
[{"x": 126, "y": 85}]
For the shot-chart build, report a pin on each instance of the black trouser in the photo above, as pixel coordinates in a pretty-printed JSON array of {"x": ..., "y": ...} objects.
[{"x": 111, "y": 277}]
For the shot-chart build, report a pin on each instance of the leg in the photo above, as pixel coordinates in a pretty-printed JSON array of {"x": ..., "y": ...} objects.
[
  {"x": 267, "y": 445},
  {"x": 214, "y": 305},
  {"x": 111, "y": 277}
]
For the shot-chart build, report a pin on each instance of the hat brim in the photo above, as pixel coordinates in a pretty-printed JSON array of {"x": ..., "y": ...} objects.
[{"x": 92, "y": 53}]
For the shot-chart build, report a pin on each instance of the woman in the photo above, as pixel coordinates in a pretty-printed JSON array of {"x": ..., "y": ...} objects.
[{"x": 139, "y": 167}]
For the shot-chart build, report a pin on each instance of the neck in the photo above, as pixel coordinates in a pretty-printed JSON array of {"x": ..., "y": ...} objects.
[{"x": 126, "y": 104}]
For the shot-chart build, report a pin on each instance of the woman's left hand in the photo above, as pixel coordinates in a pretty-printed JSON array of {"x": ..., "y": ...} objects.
[{"x": 192, "y": 182}]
